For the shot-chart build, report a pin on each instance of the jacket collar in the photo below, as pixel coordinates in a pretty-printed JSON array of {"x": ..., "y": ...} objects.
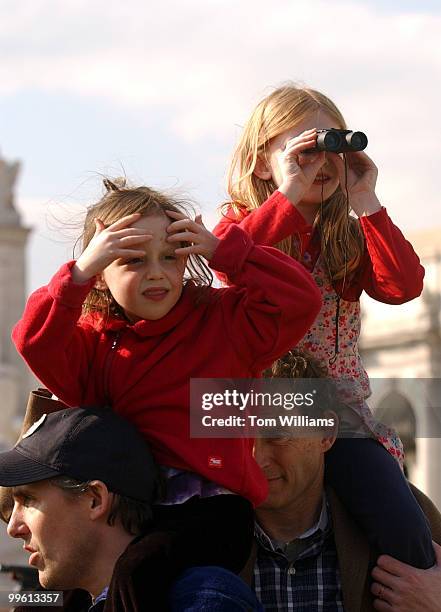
[
  {"x": 354, "y": 576},
  {"x": 145, "y": 328}
]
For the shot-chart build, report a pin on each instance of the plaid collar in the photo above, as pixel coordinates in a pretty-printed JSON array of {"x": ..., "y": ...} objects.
[{"x": 306, "y": 544}]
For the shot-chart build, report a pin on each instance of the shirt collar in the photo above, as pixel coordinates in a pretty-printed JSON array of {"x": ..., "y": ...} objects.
[
  {"x": 101, "y": 598},
  {"x": 321, "y": 526},
  {"x": 322, "y": 522}
]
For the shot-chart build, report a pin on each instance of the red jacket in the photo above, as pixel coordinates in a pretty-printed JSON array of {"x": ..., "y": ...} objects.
[
  {"x": 389, "y": 272},
  {"x": 143, "y": 369}
]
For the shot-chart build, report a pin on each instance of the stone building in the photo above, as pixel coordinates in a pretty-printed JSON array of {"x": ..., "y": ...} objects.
[
  {"x": 401, "y": 349},
  {"x": 13, "y": 237},
  {"x": 14, "y": 378}
]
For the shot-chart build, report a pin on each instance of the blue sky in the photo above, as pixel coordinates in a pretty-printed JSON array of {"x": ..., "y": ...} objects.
[{"x": 161, "y": 90}]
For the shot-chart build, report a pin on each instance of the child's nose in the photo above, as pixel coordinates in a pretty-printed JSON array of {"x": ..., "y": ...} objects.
[{"x": 154, "y": 270}]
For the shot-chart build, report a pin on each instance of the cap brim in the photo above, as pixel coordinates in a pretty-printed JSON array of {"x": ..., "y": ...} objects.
[{"x": 17, "y": 469}]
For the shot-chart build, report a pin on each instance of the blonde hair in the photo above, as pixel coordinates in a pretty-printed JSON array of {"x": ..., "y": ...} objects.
[
  {"x": 342, "y": 240},
  {"x": 119, "y": 201}
]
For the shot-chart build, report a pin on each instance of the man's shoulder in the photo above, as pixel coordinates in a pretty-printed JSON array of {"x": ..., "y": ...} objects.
[
  {"x": 354, "y": 553},
  {"x": 342, "y": 519}
]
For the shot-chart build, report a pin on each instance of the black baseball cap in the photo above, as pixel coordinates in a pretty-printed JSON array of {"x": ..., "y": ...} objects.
[{"x": 84, "y": 444}]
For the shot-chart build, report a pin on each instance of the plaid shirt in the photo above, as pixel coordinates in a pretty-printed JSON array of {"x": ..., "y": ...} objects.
[{"x": 302, "y": 575}]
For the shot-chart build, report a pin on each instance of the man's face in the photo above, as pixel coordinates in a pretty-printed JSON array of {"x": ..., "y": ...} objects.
[
  {"x": 55, "y": 531},
  {"x": 294, "y": 468}
]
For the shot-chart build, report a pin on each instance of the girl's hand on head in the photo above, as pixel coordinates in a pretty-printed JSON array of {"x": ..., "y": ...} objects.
[
  {"x": 361, "y": 180},
  {"x": 184, "y": 229},
  {"x": 119, "y": 240},
  {"x": 299, "y": 169}
]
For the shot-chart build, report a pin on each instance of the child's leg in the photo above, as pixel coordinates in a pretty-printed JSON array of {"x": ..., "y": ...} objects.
[
  {"x": 201, "y": 589},
  {"x": 370, "y": 484},
  {"x": 216, "y": 530}
]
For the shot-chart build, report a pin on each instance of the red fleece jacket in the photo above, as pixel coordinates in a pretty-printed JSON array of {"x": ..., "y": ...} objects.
[
  {"x": 143, "y": 369},
  {"x": 389, "y": 272}
]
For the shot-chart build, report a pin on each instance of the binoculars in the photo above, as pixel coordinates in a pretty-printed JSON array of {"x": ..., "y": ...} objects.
[{"x": 339, "y": 141}]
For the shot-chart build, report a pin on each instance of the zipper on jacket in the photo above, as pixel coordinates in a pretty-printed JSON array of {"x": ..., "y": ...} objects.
[{"x": 107, "y": 365}]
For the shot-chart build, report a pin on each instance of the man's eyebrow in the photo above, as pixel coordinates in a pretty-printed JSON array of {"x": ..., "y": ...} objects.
[{"x": 20, "y": 491}]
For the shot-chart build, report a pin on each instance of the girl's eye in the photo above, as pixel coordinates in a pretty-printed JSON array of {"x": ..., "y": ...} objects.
[
  {"x": 134, "y": 261},
  {"x": 170, "y": 257}
]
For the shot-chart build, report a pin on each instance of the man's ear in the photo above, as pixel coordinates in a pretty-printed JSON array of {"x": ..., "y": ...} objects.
[
  {"x": 331, "y": 431},
  {"x": 262, "y": 169},
  {"x": 100, "y": 283},
  {"x": 98, "y": 499}
]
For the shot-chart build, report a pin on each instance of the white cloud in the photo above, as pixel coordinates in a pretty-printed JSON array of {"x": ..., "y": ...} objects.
[
  {"x": 207, "y": 60},
  {"x": 205, "y": 64}
]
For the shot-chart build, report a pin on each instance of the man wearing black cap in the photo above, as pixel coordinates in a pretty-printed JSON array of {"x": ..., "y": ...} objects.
[{"x": 83, "y": 483}]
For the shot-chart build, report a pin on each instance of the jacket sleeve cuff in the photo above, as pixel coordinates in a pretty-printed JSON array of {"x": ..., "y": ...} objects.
[
  {"x": 289, "y": 213},
  {"x": 377, "y": 219},
  {"x": 231, "y": 251},
  {"x": 62, "y": 288},
  {"x": 281, "y": 217}
]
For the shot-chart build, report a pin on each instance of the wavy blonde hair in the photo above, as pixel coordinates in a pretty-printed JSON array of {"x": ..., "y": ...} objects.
[
  {"x": 342, "y": 241},
  {"x": 119, "y": 201}
]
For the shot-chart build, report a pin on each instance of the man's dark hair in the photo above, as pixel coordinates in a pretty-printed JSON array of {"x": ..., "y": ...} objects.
[{"x": 134, "y": 515}]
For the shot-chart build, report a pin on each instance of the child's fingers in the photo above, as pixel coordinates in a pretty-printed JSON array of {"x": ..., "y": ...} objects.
[
  {"x": 183, "y": 237},
  {"x": 304, "y": 136},
  {"x": 294, "y": 148},
  {"x": 300, "y": 152},
  {"x": 130, "y": 231},
  {"x": 173, "y": 214},
  {"x": 360, "y": 156},
  {"x": 188, "y": 250},
  {"x": 124, "y": 221},
  {"x": 183, "y": 224},
  {"x": 99, "y": 226},
  {"x": 131, "y": 240},
  {"x": 361, "y": 163}
]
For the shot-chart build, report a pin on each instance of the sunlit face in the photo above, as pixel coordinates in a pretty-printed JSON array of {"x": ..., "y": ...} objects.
[
  {"x": 327, "y": 177},
  {"x": 54, "y": 530},
  {"x": 293, "y": 467},
  {"x": 148, "y": 287}
]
